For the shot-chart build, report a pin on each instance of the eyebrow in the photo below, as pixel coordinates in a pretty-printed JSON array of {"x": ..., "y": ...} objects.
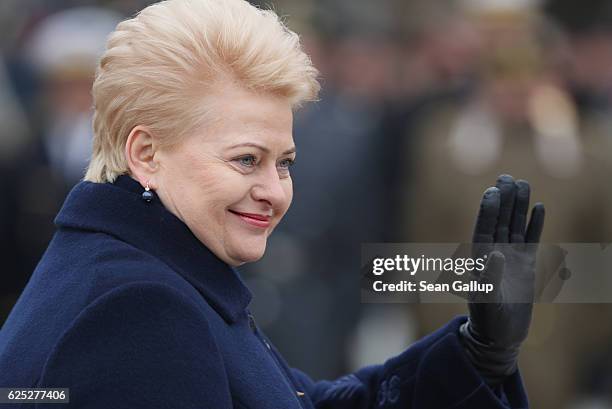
[{"x": 260, "y": 147}]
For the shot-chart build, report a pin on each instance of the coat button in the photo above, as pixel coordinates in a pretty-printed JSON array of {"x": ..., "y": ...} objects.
[{"x": 252, "y": 323}]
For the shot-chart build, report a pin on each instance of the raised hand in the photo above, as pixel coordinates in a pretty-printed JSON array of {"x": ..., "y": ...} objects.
[{"x": 499, "y": 321}]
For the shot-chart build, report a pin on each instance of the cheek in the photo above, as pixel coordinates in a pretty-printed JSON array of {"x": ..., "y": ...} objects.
[
  {"x": 288, "y": 188},
  {"x": 222, "y": 189},
  {"x": 200, "y": 194}
]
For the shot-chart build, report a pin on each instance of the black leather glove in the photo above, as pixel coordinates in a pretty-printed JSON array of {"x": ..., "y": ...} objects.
[{"x": 499, "y": 321}]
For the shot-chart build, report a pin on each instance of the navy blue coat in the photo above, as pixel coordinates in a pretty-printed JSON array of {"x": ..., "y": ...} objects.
[{"x": 129, "y": 310}]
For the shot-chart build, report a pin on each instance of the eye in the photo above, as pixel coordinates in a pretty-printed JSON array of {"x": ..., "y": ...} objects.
[
  {"x": 283, "y": 167},
  {"x": 247, "y": 161},
  {"x": 286, "y": 163}
]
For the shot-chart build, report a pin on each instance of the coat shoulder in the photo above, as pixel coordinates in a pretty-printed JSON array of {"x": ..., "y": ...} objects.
[
  {"x": 140, "y": 331},
  {"x": 100, "y": 262},
  {"x": 77, "y": 269}
]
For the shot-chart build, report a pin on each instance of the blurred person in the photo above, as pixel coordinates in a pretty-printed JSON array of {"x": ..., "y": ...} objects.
[
  {"x": 520, "y": 119},
  {"x": 438, "y": 63},
  {"x": 589, "y": 56},
  {"x": 137, "y": 301},
  {"x": 62, "y": 52},
  {"x": 14, "y": 138},
  {"x": 587, "y": 69},
  {"x": 588, "y": 75},
  {"x": 441, "y": 52}
]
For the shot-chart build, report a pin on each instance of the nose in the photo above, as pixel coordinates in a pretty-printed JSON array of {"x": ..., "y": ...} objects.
[{"x": 269, "y": 188}]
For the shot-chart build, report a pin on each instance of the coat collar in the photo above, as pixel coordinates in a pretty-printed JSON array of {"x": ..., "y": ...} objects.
[{"x": 118, "y": 209}]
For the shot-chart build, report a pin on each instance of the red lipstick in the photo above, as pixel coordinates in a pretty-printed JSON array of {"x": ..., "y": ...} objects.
[{"x": 254, "y": 219}]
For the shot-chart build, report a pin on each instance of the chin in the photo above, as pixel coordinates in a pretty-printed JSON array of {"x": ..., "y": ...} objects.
[{"x": 249, "y": 254}]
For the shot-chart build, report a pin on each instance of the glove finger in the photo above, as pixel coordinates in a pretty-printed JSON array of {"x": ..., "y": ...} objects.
[
  {"x": 487, "y": 216},
  {"x": 507, "y": 187},
  {"x": 536, "y": 224},
  {"x": 519, "y": 214}
]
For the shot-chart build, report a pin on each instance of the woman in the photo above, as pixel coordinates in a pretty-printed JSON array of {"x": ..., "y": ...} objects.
[{"x": 136, "y": 302}]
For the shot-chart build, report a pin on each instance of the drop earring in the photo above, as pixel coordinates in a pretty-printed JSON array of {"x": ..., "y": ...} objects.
[{"x": 147, "y": 195}]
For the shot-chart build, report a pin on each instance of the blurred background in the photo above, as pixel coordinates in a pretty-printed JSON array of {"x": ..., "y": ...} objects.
[{"x": 424, "y": 103}]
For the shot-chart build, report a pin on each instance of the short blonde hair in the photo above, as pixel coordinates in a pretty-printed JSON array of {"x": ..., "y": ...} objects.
[{"x": 157, "y": 64}]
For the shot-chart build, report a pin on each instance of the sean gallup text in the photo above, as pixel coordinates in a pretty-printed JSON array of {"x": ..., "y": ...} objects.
[{"x": 424, "y": 286}]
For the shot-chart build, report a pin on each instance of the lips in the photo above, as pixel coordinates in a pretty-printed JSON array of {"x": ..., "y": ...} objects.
[
  {"x": 254, "y": 219},
  {"x": 252, "y": 215}
]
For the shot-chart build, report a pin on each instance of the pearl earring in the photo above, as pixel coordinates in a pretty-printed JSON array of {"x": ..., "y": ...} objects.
[{"x": 147, "y": 195}]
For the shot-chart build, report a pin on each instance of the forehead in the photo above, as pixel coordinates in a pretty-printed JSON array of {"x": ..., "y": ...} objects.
[{"x": 241, "y": 116}]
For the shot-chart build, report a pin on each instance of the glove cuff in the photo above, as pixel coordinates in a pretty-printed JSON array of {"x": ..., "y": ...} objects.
[{"x": 493, "y": 363}]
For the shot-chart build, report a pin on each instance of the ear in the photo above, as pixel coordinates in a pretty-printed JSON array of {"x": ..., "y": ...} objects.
[{"x": 140, "y": 151}]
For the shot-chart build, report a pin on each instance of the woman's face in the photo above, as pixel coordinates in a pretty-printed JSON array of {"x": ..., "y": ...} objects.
[{"x": 230, "y": 182}]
